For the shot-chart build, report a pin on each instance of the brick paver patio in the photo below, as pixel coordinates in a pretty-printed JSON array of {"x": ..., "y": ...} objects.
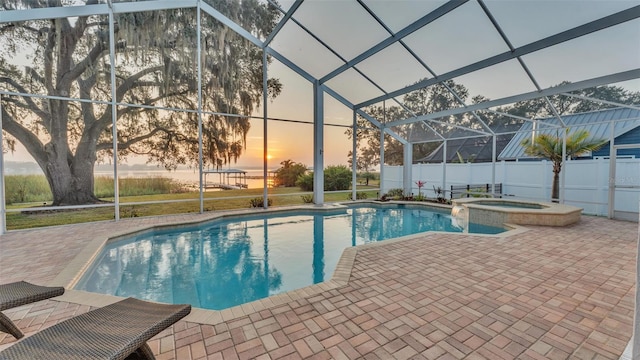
[{"x": 545, "y": 293}]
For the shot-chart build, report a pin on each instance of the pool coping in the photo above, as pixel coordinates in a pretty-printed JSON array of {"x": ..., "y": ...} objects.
[
  {"x": 72, "y": 273},
  {"x": 548, "y": 214}
]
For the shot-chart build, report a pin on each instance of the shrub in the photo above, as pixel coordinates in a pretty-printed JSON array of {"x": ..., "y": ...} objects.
[
  {"x": 360, "y": 195},
  {"x": 307, "y": 199},
  {"x": 420, "y": 197},
  {"x": 259, "y": 202},
  {"x": 395, "y": 193},
  {"x": 482, "y": 191},
  {"x": 305, "y": 181},
  {"x": 439, "y": 194},
  {"x": 337, "y": 177},
  {"x": 128, "y": 212},
  {"x": 287, "y": 175}
]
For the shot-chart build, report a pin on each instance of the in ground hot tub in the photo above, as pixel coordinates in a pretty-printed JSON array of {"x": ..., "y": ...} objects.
[{"x": 496, "y": 212}]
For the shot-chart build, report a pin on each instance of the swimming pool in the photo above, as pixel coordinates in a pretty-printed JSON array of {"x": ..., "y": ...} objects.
[{"x": 231, "y": 261}]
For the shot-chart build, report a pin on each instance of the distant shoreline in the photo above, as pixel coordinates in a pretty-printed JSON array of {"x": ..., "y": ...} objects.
[{"x": 32, "y": 168}]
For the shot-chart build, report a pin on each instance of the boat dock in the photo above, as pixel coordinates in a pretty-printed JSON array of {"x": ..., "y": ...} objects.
[
  {"x": 228, "y": 179},
  {"x": 222, "y": 186}
]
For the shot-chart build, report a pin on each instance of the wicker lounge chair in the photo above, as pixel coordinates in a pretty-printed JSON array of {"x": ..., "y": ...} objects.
[
  {"x": 117, "y": 331},
  {"x": 18, "y": 294}
]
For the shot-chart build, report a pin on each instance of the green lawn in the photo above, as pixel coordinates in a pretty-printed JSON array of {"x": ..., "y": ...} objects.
[{"x": 214, "y": 201}]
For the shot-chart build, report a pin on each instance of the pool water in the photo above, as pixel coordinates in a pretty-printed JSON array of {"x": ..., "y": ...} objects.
[{"x": 223, "y": 263}]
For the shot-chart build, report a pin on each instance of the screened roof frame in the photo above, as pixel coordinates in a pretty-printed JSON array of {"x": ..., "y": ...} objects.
[{"x": 601, "y": 23}]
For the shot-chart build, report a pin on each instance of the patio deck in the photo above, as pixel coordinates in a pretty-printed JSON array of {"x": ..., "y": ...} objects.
[{"x": 545, "y": 293}]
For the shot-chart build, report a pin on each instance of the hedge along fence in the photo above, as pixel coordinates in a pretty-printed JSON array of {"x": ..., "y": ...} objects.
[{"x": 586, "y": 181}]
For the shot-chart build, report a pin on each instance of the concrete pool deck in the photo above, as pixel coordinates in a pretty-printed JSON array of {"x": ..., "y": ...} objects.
[{"x": 541, "y": 293}]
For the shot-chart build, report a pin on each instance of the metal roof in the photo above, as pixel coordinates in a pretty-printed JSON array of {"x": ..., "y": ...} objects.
[
  {"x": 472, "y": 149},
  {"x": 478, "y": 149},
  {"x": 597, "y": 123}
]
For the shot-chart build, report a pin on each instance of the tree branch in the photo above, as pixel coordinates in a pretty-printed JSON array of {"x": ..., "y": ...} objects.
[
  {"x": 28, "y": 100},
  {"x": 7, "y": 27},
  {"x": 32, "y": 73},
  {"x": 48, "y": 62},
  {"x": 127, "y": 144},
  {"x": 105, "y": 119},
  {"x": 130, "y": 82},
  {"x": 30, "y": 141},
  {"x": 83, "y": 65}
]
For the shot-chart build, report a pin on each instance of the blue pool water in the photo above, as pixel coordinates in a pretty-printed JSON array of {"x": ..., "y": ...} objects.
[{"x": 227, "y": 262}]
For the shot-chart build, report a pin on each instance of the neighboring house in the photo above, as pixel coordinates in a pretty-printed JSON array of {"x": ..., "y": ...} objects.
[
  {"x": 597, "y": 123},
  {"x": 473, "y": 150}
]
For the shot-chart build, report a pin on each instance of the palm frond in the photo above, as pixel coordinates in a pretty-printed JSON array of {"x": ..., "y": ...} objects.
[{"x": 550, "y": 146}]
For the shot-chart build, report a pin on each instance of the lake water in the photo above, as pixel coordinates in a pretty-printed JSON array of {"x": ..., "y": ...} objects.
[{"x": 187, "y": 176}]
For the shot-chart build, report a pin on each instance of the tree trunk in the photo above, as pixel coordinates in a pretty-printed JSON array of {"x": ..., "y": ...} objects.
[
  {"x": 555, "y": 190},
  {"x": 71, "y": 184}
]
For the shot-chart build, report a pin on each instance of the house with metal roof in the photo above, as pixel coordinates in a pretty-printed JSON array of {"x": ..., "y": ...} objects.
[
  {"x": 471, "y": 149},
  {"x": 626, "y": 130}
]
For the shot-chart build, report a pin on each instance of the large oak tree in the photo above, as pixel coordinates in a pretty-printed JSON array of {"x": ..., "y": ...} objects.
[{"x": 155, "y": 66}]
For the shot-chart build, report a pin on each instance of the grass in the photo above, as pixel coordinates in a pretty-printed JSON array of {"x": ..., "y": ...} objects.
[
  {"x": 27, "y": 188},
  {"x": 138, "y": 186},
  {"x": 34, "y": 188},
  {"x": 137, "y": 190}
]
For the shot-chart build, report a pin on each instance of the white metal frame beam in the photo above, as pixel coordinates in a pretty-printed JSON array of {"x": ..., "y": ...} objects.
[
  {"x": 589, "y": 98},
  {"x": 407, "y": 167},
  {"x": 231, "y": 24},
  {"x": 318, "y": 144},
  {"x": 282, "y": 22},
  {"x": 53, "y": 13}
]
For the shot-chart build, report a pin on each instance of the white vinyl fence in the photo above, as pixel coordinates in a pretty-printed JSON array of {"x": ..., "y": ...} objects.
[{"x": 586, "y": 181}]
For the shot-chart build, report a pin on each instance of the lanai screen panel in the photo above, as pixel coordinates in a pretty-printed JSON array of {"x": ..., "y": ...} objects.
[
  {"x": 495, "y": 82},
  {"x": 527, "y": 21},
  {"x": 321, "y": 36},
  {"x": 393, "y": 68},
  {"x": 458, "y": 38},
  {"x": 305, "y": 51},
  {"x": 597, "y": 54},
  {"x": 343, "y": 25}
]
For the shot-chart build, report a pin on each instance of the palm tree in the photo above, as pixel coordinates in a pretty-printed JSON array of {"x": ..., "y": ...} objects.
[{"x": 550, "y": 147}]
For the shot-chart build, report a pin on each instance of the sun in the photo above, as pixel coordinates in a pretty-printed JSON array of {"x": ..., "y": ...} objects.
[{"x": 269, "y": 157}]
